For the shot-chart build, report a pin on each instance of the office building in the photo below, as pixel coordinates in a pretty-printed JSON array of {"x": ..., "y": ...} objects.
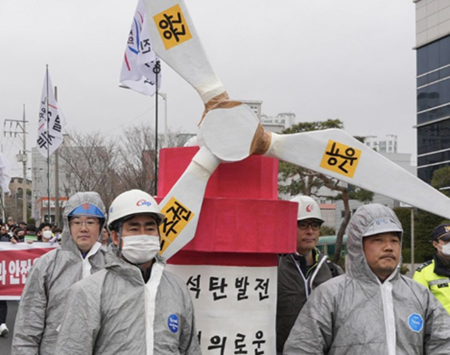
[{"x": 433, "y": 86}]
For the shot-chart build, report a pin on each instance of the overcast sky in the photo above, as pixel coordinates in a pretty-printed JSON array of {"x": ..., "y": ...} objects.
[{"x": 352, "y": 60}]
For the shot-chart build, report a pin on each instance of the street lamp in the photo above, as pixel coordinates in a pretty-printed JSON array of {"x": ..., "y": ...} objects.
[{"x": 405, "y": 205}]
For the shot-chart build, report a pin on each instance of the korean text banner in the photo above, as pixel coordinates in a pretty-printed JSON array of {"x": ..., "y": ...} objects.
[
  {"x": 235, "y": 307},
  {"x": 50, "y": 122},
  {"x": 15, "y": 263}
]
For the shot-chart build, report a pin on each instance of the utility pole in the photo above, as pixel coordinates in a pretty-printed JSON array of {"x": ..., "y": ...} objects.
[{"x": 20, "y": 128}]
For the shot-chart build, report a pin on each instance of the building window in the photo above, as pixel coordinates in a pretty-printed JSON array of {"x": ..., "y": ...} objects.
[
  {"x": 433, "y": 56},
  {"x": 433, "y": 137}
]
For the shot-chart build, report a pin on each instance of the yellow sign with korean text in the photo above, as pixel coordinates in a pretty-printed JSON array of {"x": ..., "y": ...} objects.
[
  {"x": 340, "y": 158},
  {"x": 177, "y": 217},
  {"x": 172, "y": 27}
]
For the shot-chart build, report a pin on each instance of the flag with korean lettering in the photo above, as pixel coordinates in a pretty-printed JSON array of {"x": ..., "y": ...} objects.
[
  {"x": 51, "y": 121},
  {"x": 140, "y": 61},
  {"x": 5, "y": 173}
]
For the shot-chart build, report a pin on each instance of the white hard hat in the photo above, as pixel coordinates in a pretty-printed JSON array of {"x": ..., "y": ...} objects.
[
  {"x": 307, "y": 208},
  {"x": 133, "y": 202}
]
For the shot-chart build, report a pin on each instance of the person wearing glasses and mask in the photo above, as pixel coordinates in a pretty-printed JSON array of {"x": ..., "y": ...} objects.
[
  {"x": 435, "y": 274},
  {"x": 133, "y": 306},
  {"x": 300, "y": 273},
  {"x": 43, "y": 300}
]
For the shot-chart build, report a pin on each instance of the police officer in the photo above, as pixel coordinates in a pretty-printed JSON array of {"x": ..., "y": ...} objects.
[{"x": 435, "y": 274}]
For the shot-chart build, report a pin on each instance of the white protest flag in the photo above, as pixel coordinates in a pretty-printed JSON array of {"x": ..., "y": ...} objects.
[
  {"x": 5, "y": 177},
  {"x": 140, "y": 58},
  {"x": 50, "y": 121}
]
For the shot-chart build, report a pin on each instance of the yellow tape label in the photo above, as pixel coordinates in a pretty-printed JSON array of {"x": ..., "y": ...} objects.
[
  {"x": 172, "y": 27},
  {"x": 177, "y": 218},
  {"x": 341, "y": 158}
]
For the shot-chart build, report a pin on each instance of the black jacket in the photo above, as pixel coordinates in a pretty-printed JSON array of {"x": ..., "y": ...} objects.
[{"x": 294, "y": 289}]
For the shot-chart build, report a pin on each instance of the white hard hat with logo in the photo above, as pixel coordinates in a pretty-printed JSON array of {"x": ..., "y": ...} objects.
[
  {"x": 133, "y": 202},
  {"x": 307, "y": 208}
]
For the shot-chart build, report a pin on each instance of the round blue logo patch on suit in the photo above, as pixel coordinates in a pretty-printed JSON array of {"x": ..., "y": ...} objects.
[
  {"x": 415, "y": 322},
  {"x": 173, "y": 323}
]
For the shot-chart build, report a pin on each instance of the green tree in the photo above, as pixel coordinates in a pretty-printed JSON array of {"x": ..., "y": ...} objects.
[
  {"x": 325, "y": 230},
  {"x": 296, "y": 180},
  {"x": 441, "y": 180}
]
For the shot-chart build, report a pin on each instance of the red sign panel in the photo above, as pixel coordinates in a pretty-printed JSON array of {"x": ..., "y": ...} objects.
[{"x": 15, "y": 263}]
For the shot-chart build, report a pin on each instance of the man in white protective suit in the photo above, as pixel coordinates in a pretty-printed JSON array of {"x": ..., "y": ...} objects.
[
  {"x": 372, "y": 309},
  {"x": 133, "y": 306}
]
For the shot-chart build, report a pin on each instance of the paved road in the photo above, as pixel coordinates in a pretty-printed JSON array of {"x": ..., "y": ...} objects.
[{"x": 5, "y": 343}]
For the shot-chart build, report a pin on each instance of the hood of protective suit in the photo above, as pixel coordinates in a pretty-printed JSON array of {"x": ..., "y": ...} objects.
[
  {"x": 76, "y": 200},
  {"x": 356, "y": 264}
]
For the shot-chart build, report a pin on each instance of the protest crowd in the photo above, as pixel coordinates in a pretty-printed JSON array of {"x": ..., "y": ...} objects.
[
  {"x": 107, "y": 281},
  {"x": 103, "y": 283}
]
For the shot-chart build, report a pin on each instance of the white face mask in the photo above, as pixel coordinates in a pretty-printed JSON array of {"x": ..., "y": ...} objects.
[
  {"x": 139, "y": 249},
  {"x": 446, "y": 249},
  {"x": 47, "y": 234}
]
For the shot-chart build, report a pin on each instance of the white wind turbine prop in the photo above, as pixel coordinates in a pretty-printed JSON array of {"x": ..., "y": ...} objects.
[{"x": 230, "y": 131}]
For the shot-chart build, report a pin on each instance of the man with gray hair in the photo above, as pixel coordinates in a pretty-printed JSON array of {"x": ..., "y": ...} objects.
[{"x": 372, "y": 309}]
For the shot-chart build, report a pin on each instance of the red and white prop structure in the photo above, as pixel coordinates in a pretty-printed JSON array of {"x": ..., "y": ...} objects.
[
  {"x": 242, "y": 225},
  {"x": 230, "y": 267}
]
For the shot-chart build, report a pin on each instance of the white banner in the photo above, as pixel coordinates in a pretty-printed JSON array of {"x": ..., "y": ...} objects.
[
  {"x": 5, "y": 177},
  {"x": 235, "y": 307},
  {"x": 50, "y": 121},
  {"x": 140, "y": 60}
]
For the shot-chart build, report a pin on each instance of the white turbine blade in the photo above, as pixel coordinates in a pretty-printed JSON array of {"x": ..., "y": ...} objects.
[
  {"x": 183, "y": 203},
  {"x": 176, "y": 41},
  {"x": 335, "y": 153}
]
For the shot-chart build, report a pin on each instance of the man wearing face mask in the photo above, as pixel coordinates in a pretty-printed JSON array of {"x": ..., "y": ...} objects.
[
  {"x": 133, "y": 306},
  {"x": 43, "y": 300},
  {"x": 46, "y": 232},
  {"x": 435, "y": 274}
]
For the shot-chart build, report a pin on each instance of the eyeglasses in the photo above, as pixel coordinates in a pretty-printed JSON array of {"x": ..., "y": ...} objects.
[
  {"x": 89, "y": 224},
  {"x": 305, "y": 225}
]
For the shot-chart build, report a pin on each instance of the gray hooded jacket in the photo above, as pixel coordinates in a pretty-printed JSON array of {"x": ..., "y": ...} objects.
[
  {"x": 356, "y": 314},
  {"x": 42, "y": 303},
  {"x": 109, "y": 313}
]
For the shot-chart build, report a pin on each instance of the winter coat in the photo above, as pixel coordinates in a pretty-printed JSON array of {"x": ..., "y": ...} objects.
[{"x": 294, "y": 290}]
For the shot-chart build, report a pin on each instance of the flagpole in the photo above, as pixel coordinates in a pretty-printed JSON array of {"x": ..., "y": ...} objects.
[
  {"x": 57, "y": 209},
  {"x": 48, "y": 152},
  {"x": 156, "y": 70},
  {"x": 24, "y": 163}
]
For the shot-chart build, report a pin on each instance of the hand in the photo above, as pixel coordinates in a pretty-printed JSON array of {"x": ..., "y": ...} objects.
[{"x": 13, "y": 241}]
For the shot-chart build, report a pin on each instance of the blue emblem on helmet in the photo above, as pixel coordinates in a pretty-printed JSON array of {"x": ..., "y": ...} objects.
[
  {"x": 415, "y": 322},
  {"x": 87, "y": 209},
  {"x": 173, "y": 323}
]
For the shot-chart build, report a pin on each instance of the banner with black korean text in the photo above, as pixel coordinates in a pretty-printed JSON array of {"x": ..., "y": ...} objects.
[{"x": 232, "y": 307}]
